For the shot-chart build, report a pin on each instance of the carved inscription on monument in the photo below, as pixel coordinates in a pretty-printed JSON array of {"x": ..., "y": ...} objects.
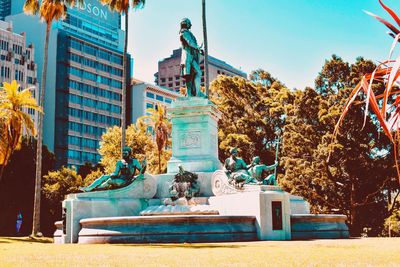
[{"x": 189, "y": 140}]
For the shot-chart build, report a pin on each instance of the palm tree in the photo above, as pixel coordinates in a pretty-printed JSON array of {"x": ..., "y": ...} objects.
[
  {"x": 161, "y": 127},
  {"x": 122, "y": 7},
  {"x": 13, "y": 120},
  {"x": 206, "y": 80},
  {"x": 49, "y": 11}
]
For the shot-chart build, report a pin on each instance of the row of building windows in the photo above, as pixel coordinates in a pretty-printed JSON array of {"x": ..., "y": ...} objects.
[
  {"x": 94, "y": 90},
  {"x": 86, "y": 129},
  {"x": 92, "y": 28},
  {"x": 5, "y": 72},
  {"x": 95, "y": 77},
  {"x": 95, "y": 117},
  {"x": 83, "y": 156},
  {"x": 94, "y": 103},
  {"x": 4, "y": 45},
  {"x": 83, "y": 142},
  {"x": 19, "y": 75},
  {"x": 96, "y": 52},
  {"x": 17, "y": 49},
  {"x": 95, "y": 64},
  {"x": 159, "y": 97}
]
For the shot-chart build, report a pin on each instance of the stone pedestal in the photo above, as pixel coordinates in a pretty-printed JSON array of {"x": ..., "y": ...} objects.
[
  {"x": 194, "y": 135},
  {"x": 270, "y": 206},
  {"x": 126, "y": 201}
]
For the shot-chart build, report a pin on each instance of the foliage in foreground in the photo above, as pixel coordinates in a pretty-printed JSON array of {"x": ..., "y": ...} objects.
[
  {"x": 14, "y": 121},
  {"x": 384, "y": 104}
]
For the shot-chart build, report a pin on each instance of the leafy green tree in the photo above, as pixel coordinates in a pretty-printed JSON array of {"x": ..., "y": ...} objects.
[
  {"x": 56, "y": 186},
  {"x": 252, "y": 114},
  {"x": 347, "y": 175},
  {"x": 262, "y": 76},
  {"x": 333, "y": 76},
  {"x": 142, "y": 144}
]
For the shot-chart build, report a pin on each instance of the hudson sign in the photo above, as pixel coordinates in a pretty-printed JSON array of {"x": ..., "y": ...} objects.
[{"x": 96, "y": 10}]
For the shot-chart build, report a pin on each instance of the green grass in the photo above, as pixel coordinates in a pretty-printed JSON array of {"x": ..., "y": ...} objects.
[{"x": 351, "y": 252}]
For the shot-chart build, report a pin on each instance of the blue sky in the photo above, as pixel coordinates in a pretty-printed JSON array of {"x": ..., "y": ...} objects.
[{"x": 289, "y": 38}]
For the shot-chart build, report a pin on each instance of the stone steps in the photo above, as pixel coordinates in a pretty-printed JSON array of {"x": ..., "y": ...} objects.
[
  {"x": 168, "y": 229},
  {"x": 318, "y": 226}
]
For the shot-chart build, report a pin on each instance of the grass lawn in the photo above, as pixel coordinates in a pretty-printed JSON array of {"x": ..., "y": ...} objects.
[{"x": 352, "y": 252}]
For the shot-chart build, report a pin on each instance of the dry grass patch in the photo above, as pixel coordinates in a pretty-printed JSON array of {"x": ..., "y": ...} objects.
[{"x": 352, "y": 252}]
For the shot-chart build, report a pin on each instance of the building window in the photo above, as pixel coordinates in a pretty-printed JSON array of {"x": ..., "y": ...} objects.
[
  {"x": 168, "y": 100},
  {"x": 163, "y": 80},
  {"x": 170, "y": 85},
  {"x": 159, "y": 98},
  {"x": 177, "y": 83},
  {"x": 150, "y": 95},
  {"x": 170, "y": 79},
  {"x": 149, "y": 105}
]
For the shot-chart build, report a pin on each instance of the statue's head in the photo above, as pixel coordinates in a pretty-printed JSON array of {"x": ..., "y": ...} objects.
[
  {"x": 126, "y": 152},
  {"x": 185, "y": 23},
  {"x": 256, "y": 160},
  {"x": 233, "y": 151}
]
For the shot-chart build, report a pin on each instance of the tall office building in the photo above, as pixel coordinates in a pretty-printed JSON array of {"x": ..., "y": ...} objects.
[
  {"x": 169, "y": 69},
  {"x": 84, "y": 78},
  {"x": 17, "y": 62},
  {"x": 5, "y": 8}
]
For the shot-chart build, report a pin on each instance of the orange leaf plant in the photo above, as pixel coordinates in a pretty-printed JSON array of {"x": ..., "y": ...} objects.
[{"x": 388, "y": 72}]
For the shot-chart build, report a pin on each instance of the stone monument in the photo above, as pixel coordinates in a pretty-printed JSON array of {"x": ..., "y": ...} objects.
[{"x": 198, "y": 199}]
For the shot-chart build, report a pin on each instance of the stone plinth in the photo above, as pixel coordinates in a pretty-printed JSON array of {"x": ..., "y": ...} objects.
[
  {"x": 194, "y": 135},
  {"x": 168, "y": 229},
  {"x": 318, "y": 226},
  {"x": 126, "y": 201},
  {"x": 271, "y": 208}
]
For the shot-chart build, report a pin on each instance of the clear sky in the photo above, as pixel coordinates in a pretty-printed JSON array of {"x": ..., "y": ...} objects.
[{"x": 289, "y": 38}]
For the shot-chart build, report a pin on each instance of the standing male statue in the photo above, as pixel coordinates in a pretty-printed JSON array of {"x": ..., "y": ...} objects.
[
  {"x": 190, "y": 60},
  {"x": 123, "y": 175}
]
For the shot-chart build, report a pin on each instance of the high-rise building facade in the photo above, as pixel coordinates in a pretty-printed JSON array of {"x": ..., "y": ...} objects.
[
  {"x": 17, "y": 62},
  {"x": 169, "y": 70},
  {"x": 5, "y": 8},
  {"x": 149, "y": 96},
  {"x": 84, "y": 78}
]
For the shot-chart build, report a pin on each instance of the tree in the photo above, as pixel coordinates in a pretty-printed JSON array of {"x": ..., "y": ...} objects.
[
  {"x": 262, "y": 76},
  {"x": 122, "y": 7},
  {"x": 17, "y": 189},
  {"x": 333, "y": 76},
  {"x": 49, "y": 11},
  {"x": 348, "y": 175},
  {"x": 56, "y": 186},
  {"x": 161, "y": 128},
  {"x": 387, "y": 111},
  {"x": 251, "y": 116},
  {"x": 14, "y": 121}
]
